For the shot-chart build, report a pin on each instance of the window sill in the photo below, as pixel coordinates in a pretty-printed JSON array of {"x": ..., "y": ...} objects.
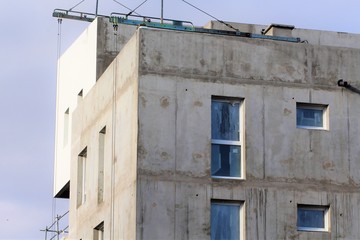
[
  {"x": 227, "y": 178},
  {"x": 309, "y": 229},
  {"x": 312, "y": 128}
]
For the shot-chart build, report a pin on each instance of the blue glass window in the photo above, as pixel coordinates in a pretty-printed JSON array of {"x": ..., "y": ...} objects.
[
  {"x": 311, "y": 218},
  {"x": 310, "y": 116},
  {"x": 225, "y": 120},
  {"x": 225, "y": 160},
  {"x": 225, "y": 134},
  {"x": 225, "y": 221}
]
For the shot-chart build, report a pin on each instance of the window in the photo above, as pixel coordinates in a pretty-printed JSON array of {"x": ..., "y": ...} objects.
[
  {"x": 311, "y": 116},
  {"x": 225, "y": 220},
  {"x": 80, "y": 96},
  {"x": 81, "y": 178},
  {"x": 66, "y": 127},
  {"x": 226, "y": 138},
  {"x": 312, "y": 218},
  {"x": 101, "y": 164},
  {"x": 99, "y": 232}
]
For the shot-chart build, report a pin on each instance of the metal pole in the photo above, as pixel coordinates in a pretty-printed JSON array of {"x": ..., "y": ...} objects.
[
  {"x": 97, "y": 6},
  {"x": 57, "y": 227},
  {"x": 162, "y": 11}
]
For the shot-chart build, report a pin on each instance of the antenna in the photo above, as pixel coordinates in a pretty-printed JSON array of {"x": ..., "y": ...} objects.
[
  {"x": 136, "y": 8},
  {"x": 126, "y": 7},
  {"x": 162, "y": 12},
  {"x": 97, "y": 7},
  {"x": 220, "y": 21},
  {"x": 76, "y": 5}
]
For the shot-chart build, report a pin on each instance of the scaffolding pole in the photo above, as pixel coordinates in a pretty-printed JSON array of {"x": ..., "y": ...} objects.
[{"x": 58, "y": 231}]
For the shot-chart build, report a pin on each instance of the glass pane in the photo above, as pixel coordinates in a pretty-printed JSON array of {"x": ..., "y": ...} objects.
[
  {"x": 225, "y": 120},
  {"x": 225, "y": 221},
  {"x": 311, "y": 218},
  {"x": 309, "y": 117},
  {"x": 225, "y": 160}
]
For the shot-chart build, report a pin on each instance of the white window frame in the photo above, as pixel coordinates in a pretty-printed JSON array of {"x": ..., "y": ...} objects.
[
  {"x": 232, "y": 143},
  {"x": 325, "y": 209},
  {"x": 312, "y": 106},
  {"x": 241, "y": 205}
]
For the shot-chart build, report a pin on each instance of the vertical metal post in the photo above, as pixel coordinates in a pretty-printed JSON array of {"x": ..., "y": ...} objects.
[
  {"x": 162, "y": 11},
  {"x": 57, "y": 227},
  {"x": 97, "y": 7}
]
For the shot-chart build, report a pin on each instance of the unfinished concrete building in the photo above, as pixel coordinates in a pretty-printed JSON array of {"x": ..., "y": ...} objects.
[{"x": 180, "y": 134}]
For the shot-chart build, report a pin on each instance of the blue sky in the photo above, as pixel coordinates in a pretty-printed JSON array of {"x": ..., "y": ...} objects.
[{"x": 28, "y": 53}]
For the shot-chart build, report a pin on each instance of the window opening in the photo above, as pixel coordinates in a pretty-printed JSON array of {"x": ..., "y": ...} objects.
[
  {"x": 80, "y": 96},
  {"x": 66, "y": 127},
  {"x": 99, "y": 232},
  {"x": 225, "y": 138},
  {"x": 312, "y": 218},
  {"x": 102, "y": 135},
  {"x": 81, "y": 186},
  {"x": 311, "y": 116},
  {"x": 226, "y": 220}
]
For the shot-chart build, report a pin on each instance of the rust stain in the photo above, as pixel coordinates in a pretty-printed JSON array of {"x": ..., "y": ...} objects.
[
  {"x": 287, "y": 112},
  {"x": 197, "y": 157},
  {"x": 198, "y": 104},
  {"x": 290, "y": 70},
  {"x": 143, "y": 101},
  {"x": 165, "y": 156},
  {"x": 328, "y": 165},
  {"x": 142, "y": 152},
  {"x": 164, "y": 102}
]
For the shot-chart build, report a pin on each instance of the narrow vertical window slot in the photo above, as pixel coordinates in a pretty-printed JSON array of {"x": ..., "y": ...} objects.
[
  {"x": 66, "y": 127},
  {"x": 80, "y": 96},
  {"x": 99, "y": 232},
  {"x": 81, "y": 178},
  {"x": 102, "y": 135},
  {"x": 226, "y": 137}
]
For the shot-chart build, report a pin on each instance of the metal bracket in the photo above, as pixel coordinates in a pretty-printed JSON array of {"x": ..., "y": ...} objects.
[
  {"x": 151, "y": 22},
  {"x": 74, "y": 15},
  {"x": 171, "y": 24}
]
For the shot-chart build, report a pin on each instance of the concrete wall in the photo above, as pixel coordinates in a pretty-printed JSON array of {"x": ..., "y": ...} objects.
[
  {"x": 158, "y": 140},
  {"x": 77, "y": 71},
  {"x": 285, "y": 166},
  {"x": 97, "y": 110},
  {"x": 79, "y": 68}
]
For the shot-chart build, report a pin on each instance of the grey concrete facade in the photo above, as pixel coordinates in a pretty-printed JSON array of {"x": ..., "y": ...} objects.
[{"x": 155, "y": 101}]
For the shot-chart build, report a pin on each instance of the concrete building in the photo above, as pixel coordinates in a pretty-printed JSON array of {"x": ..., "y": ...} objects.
[{"x": 165, "y": 134}]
